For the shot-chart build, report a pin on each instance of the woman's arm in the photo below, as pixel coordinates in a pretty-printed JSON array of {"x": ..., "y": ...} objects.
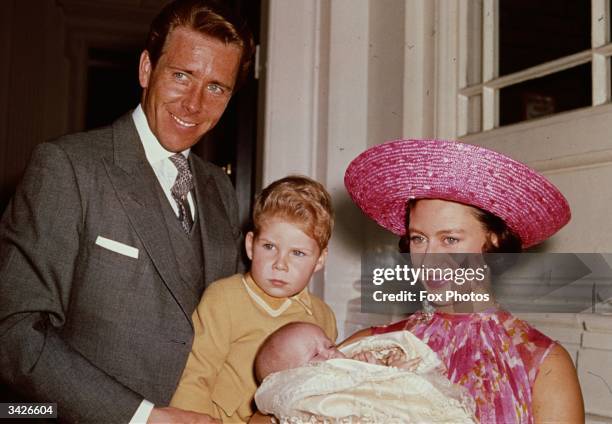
[{"x": 556, "y": 392}]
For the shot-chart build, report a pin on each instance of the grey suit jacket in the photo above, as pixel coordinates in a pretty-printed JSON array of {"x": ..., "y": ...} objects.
[{"x": 86, "y": 327}]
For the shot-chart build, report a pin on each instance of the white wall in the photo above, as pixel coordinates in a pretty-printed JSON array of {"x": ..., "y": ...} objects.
[{"x": 333, "y": 76}]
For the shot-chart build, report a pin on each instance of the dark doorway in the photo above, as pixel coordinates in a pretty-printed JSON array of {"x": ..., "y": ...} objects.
[{"x": 112, "y": 85}]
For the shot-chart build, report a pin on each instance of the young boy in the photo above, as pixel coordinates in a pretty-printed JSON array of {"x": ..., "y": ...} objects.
[
  {"x": 292, "y": 221},
  {"x": 307, "y": 379}
]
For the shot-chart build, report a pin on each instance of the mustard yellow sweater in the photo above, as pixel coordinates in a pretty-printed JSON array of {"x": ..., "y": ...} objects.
[{"x": 232, "y": 320}]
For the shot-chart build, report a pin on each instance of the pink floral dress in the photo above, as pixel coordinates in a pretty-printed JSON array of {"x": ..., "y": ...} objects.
[{"x": 495, "y": 355}]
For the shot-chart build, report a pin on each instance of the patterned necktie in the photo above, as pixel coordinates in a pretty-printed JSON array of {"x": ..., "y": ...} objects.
[{"x": 182, "y": 186}]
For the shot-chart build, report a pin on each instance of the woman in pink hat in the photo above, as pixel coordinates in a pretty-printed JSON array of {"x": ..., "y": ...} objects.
[{"x": 445, "y": 198}]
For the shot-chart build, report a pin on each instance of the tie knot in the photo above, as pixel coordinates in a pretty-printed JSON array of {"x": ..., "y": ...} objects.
[
  {"x": 184, "y": 180},
  {"x": 180, "y": 162}
]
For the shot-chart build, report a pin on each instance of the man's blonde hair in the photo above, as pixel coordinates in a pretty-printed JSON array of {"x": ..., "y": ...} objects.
[{"x": 300, "y": 200}]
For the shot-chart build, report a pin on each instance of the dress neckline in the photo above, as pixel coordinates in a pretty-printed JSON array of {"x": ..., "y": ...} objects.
[{"x": 465, "y": 316}]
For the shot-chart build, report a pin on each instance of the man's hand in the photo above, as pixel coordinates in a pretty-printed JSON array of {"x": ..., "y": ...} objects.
[{"x": 174, "y": 415}]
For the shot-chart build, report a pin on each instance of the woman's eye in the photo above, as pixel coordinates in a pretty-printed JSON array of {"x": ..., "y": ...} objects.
[
  {"x": 417, "y": 239},
  {"x": 268, "y": 246},
  {"x": 299, "y": 253},
  {"x": 451, "y": 240}
]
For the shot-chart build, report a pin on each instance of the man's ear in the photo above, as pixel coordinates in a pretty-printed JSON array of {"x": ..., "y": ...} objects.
[
  {"x": 144, "y": 69},
  {"x": 321, "y": 260},
  {"x": 248, "y": 244}
]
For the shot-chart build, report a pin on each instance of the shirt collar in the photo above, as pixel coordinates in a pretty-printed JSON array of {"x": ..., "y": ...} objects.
[{"x": 153, "y": 150}]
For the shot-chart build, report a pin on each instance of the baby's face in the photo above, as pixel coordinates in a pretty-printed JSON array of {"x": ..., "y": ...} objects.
[{"x": 309, "y": 344}]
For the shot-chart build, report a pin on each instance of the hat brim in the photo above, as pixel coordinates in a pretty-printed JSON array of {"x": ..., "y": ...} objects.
[{"x": 382, "y": 179}]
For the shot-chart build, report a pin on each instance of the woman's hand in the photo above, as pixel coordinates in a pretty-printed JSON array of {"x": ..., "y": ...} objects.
[
  {"x": 404, "y": 364},
  {"x": 366, "y": 357},
  {"x": 556, "y": 392}
]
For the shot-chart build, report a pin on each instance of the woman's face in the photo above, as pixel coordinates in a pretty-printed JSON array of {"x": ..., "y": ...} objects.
[
  {"x": 441, "y": 226},
  {"x": 439, "y": 232}
]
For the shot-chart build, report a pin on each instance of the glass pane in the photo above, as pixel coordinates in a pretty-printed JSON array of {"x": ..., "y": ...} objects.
[
  {"x": 474, "y": 42},
  {"x": 565, "y": 90},
  {"x": 533, "y": 32},
  {"x": 474, "y": 123}
]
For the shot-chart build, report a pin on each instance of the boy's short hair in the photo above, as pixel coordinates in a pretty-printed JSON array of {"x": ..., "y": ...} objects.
[{"x": 300, "y": 200}]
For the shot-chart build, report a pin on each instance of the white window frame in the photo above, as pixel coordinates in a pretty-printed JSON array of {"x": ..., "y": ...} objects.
[{"x": 598, "y": 55}]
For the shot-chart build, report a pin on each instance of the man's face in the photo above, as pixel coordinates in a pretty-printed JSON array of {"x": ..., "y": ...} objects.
[{"x": 186, "y": 93}]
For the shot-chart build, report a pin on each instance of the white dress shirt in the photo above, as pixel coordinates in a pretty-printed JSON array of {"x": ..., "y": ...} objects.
[
  {"x": 166, "y": 172},
  {"x": 159, "y": 159}
]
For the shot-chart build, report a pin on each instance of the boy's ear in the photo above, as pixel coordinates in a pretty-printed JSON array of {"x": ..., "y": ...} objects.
[
  {"x": 248, "y": 244},
  {"x": 321, "y": 260}
]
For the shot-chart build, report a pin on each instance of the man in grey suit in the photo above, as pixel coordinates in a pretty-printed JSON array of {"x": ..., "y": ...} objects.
[{"x": 113, "y": 234}]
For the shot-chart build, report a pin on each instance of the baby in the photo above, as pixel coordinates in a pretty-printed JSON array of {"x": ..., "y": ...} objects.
[
  {"x": 292, "y": 346},
  {"x": 396, "y": 378},
  {"x": 299, "y": 343}
]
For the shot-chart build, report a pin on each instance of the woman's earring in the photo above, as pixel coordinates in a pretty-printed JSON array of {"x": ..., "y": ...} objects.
[{"x": 428, "y": 308}]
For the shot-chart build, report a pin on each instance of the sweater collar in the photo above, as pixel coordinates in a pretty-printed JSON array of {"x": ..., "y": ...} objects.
[{"x": 275, "y": 306}]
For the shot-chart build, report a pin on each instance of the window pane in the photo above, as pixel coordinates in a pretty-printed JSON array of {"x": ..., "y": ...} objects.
[
  {"x": 533, "y": 32},
  {"x": 474, "y": 124},
  {"x": 474, "y": 42},
  {"x": 565, "y": 90}
]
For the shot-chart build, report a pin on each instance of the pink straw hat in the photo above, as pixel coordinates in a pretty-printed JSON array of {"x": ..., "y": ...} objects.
[{"x": 382, "y": 179}]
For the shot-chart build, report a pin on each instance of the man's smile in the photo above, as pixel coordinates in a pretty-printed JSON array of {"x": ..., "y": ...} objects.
[{"x": 181, "y": 122}]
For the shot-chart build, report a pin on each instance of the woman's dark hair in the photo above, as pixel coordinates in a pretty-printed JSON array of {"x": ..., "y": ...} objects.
[{"x": 507, "y": 240}]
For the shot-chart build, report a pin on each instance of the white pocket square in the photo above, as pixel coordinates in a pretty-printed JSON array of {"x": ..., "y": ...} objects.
[{"x": 117, "y": 247}]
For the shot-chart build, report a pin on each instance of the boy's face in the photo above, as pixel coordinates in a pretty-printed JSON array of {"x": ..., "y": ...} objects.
[{"x": 283, "y": 257}]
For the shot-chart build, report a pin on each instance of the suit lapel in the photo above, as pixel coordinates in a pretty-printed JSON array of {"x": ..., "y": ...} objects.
[
  {"x": 213, "y": 221},
  {"x": 135, "y": 184}
]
